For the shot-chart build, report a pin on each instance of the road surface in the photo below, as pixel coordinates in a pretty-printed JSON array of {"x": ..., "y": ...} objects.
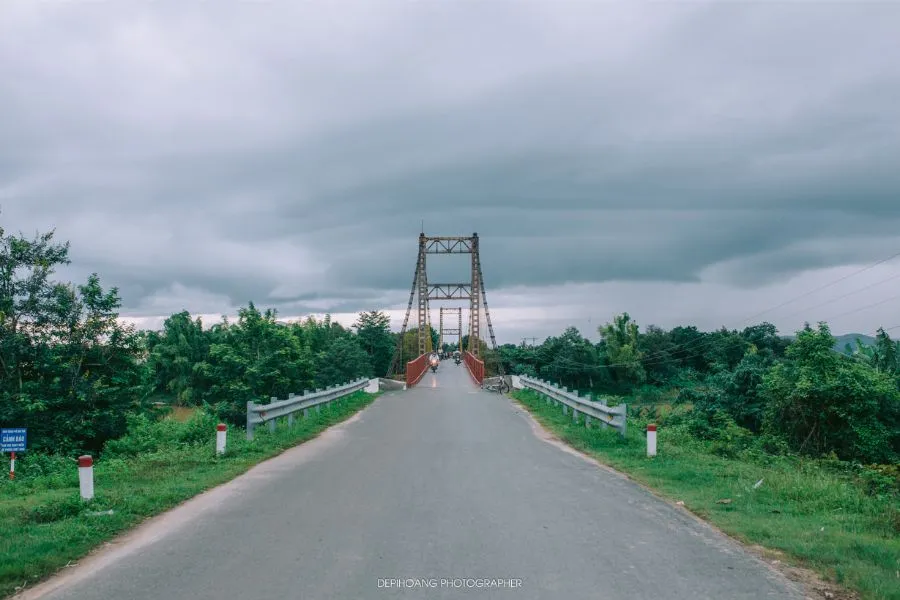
[{"x": 435, "y": 486}]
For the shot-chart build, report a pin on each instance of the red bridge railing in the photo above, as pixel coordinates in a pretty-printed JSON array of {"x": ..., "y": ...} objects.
[
  {"x": 475, "y": 366},
  {"x": 415, "y": 369}
]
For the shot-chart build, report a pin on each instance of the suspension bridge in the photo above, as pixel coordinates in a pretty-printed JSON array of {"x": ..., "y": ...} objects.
[{"x": 423, "y": 293}]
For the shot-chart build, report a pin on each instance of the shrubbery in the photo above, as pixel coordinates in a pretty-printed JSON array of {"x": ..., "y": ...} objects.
[{"x": 740, "y": 391}]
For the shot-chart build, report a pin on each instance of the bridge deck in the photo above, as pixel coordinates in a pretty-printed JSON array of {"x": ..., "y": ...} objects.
[{"x": 441, "y": 481}]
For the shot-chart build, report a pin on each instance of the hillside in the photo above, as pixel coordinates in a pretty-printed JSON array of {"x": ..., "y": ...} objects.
[
  {"x": 850, "y": 338},
  {"x": 843, "y": 340}
]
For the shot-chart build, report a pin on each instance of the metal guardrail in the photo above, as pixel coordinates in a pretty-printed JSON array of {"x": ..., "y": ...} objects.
[
  {"x": 268, "y": 413},
  {"x": 416, "y": 369},
  {"x": 475, "y": 366},
  {"x": 608, "y": 416}
]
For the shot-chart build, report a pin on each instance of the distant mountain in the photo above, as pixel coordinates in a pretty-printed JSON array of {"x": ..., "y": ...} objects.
[
  {"x": 850, "y": 338},
  {"x": 843, "y": 340}
]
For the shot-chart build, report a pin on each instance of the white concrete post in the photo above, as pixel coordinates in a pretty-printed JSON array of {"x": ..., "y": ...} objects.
[
  {"x": 221, "y": 433},
  {"x": 12, "y": 465},
  {"x": 651, "y": 440},
  {"x": 86, "y": 476}
]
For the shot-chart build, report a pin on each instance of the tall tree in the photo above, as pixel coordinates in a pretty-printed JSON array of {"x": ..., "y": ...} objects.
[
  {"x": 175, "y": 355},
  {"x": 621, "y": 344},
  {"x": 373, "y": 330}
]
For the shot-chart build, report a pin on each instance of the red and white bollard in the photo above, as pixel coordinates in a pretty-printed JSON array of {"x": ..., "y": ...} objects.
[
  {"x": 86, "y": 476},
  {"x": 651, "y": 440},
  {"x": 12, "y": 465},
  {"x": 221, "y": 432}
]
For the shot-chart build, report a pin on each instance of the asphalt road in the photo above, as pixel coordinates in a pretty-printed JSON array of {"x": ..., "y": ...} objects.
[{"x": 442, "y": 482}]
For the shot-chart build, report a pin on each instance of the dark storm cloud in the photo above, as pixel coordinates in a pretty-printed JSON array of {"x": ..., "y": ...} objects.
[{"x": 287, "y": 154}]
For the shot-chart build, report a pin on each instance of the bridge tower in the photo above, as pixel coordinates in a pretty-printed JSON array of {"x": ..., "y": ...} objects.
[
  {"x": 422, "y": 292},
  {"x": 458, "y": 330}
]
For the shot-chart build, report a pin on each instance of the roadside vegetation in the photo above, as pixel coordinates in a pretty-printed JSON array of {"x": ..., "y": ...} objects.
[{"x": 783, "y": 442}]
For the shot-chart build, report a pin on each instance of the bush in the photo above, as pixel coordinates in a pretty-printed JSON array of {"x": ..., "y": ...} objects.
[
  {"x": 144, "y": 435},
  {"x": 200, "y": 428},
  {"x": 821, "y": 402},
  {"x": 726, "y": 437}
]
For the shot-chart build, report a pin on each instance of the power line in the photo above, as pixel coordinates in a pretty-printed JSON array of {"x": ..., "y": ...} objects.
[
  {"x": 808, "y": 293},
  {"x": 864, "y": 307},
  {"x": 847, "y": 295},
  {"x": 705, "y": 341},
  {"x": 827, "y": 285}
]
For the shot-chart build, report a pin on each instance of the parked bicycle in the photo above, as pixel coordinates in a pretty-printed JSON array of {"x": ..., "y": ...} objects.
[{"x": 500, "y": 386}]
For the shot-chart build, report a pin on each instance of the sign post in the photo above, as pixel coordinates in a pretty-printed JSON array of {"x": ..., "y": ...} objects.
[{"x": 12, "y": 441}]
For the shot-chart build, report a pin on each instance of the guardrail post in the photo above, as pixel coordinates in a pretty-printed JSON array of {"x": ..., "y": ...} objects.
[
  {"x": 272, "y": 423},
  {"x": 221, "y": 432},
  {"x": 86, "y": 476},
  {"x": 291, "y": 416},
  {"x": 603, "y": 424},
  {"x": 318, "y": 406},
  {"x": 250, "y": 424},
  {"x": 651, "y": 439},
  {"x": 587, "y": 417},
  {"x": 624, "y": 418}
]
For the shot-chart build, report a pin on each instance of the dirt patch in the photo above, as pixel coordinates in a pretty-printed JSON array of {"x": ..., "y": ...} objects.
[
  {"x": 181, "y": 413},
  {"x": 812, "y": 584}
]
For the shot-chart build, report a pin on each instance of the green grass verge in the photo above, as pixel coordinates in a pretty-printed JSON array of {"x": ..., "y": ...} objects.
[
  {"x": 819, "y": 518},
  {"x": 44, "y": 524}
]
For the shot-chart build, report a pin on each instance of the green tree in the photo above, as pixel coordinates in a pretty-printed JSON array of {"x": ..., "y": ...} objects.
[
  {"x": 343, "y": 361},
  {"x": 620, "y": 342},
  {"x": 175, "y": 356},
  {"x": 256, "y": 359},
  {"x": 373, "y": 330},
  {"x": 657, "y": 355},
  {"x": 571, "y": 360},
  {"x": 68, "y": 370},
  {"x": 820, "y": 401}
]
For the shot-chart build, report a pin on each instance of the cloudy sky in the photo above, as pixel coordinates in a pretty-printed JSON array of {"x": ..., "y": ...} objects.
[{"x": 685, "y": 162}]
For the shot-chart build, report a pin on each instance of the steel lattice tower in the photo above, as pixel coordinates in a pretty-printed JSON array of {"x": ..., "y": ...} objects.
[
  {"x": 458, "y": 330},
  {"x": 422, "y": 292}
]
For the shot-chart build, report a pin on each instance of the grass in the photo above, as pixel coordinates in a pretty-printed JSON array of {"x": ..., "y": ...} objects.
[
  {"x": 44, "y": 524},
  {"x": 814, "y": 512}
]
